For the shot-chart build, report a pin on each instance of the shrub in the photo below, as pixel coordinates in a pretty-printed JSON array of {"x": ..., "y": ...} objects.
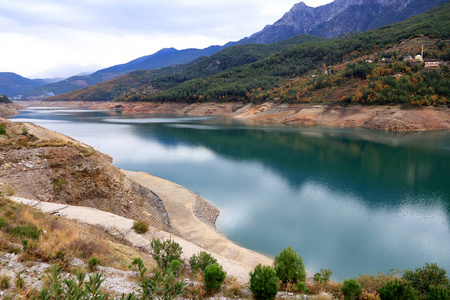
[
  {"x": 165, "y": 283},
  {"x": 3, "y": 223},
  {"x": 264, "y": 282},
  {"x": 372, "y": 283},
  {"x": 5, "y": 281},
  {"x": 201, "y": 261},
  {"x": 20, "y": 282},
  {"x": 289, "y": 266},
  {"x": 422, "y": 278},
  {"x": 175, "y": 267},
  {"x": 301, "y": 288},
  {"x": 140, "y": 227},
  {"x": 397, "y": 290},
  {"x": 165, "y": 252},
  {"x": 438, "y": 293},
  {"x": 93, "y": 264},
  {"x": 214, "y": 277},
  {"x": 2, "y": 130},
  {"x": 323, "y": 276},
  {"x": 28, "y": 231},
  {"x": 9, "y": 190},
  {"x": 351, "y": 289}
]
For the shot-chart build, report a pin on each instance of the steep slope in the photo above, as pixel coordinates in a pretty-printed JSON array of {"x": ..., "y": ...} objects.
[
  {"x": 339, "y": 17},
  {"x": 12, "y": 84}
]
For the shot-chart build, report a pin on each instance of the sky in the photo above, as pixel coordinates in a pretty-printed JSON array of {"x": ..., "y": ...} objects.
[{"x": 38, "y": 35}]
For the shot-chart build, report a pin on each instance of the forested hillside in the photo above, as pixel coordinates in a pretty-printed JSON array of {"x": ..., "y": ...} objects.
[
  {"x": 366, "y": 68},
  {"x": 283, "y": 75},
  {"x": 161, "y": 79}
]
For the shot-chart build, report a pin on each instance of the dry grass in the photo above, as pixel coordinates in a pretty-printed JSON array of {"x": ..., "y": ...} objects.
[
  {"x": 5, "y": 281},
  {"x": 322, "y": 296},
  {"x": 371, "y": 283},
  {"x": 61, "y": 238},
  {"x": 9, "y": 190}
]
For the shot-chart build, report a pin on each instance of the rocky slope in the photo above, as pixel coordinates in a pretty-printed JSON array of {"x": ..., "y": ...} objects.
[
  {"x": 338, "y": 17},
  {"x": 9, "y": 109},
  {"x": 388, "y": 118},
  {"x": 44, "y": 165}
]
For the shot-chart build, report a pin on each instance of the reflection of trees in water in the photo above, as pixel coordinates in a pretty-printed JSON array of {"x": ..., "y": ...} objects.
[{"x": 382, "y": 167}]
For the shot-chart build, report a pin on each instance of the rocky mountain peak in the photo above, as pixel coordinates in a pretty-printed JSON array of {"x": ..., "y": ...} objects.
[{"x": 338, "y": 17}]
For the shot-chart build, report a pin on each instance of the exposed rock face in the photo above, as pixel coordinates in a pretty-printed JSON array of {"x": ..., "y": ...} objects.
[
  {"x": 43, "y": 165},
  {"x": 9, "y": 109},
  {"x": 339, "y": 17}
]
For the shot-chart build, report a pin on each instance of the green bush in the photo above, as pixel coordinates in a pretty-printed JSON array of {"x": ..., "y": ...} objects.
[
  {"x": 289, "y": 266},
  {"x": 175, "y": 267},
  {"x": 422, "y": 278},
  {"x": 93, "y": 264},
  {"x": 301, "y": 288},
  {"x": 140, "y": 227},
  {"x": 264, "y": 282},
  {"x": 28, "y": 231},
  {"x": 165, "y": 252},
  {"x": 438, "y": 293},
  {"x": 323, "y": 276},
  {"x": 214, "y": 277},
  {"x": 2, "y": 130},
  {"x": 162, "y": 285},
  {"x": 351, "y": 289},
  {"x": 201, "y": 261},
  {"x": 3, "y": 223},
  {"x": 397, "y": 290},
  {"x": 20, "y": 282}
]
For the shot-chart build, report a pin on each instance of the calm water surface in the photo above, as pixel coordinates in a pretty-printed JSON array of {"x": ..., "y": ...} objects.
[{"x": 351, "y": 200}]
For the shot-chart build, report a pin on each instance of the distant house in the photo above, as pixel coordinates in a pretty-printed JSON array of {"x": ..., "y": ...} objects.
[
  {"x": 418, "y": 57},
  {"x": 432, "y": 63}
]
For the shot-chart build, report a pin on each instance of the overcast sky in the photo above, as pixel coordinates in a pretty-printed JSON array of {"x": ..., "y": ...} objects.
[{"x": 36, "y": 35}]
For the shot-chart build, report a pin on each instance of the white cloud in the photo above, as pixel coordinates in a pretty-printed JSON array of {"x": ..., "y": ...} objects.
[{"x": 42, "y": 34}]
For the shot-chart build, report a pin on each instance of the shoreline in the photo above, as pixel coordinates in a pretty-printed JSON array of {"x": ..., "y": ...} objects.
[
  {"x": 190, "y": 218},
  {"x": 386, "y": 118}
]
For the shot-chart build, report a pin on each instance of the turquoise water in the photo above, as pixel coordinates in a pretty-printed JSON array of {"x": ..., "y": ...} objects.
[{"x": 352, "y": 200}]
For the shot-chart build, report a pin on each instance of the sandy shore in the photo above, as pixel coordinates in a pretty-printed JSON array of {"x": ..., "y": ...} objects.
[{"x": 193, "y": 236}]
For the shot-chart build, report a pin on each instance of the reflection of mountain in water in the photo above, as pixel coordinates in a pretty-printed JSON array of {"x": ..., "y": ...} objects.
[{"x": 368, "y": 162}]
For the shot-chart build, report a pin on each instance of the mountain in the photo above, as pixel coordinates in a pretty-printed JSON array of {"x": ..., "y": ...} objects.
[
  {"x": 336, "y": 18},
  {"x": 339, "y": 17},
  {"x": 162, "y": 58},
  {"x": 168, "y": 77},
  {"x": 327, "y": 70},
  {"x": 12, "y": 84}
]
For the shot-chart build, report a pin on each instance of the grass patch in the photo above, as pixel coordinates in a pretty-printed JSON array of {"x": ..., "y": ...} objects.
[
  {"x": 9, "y": 190},
  {"x": 2, "y": 130},
  {"x": 5, "y": 281},
  {"x": 140, "y": 226},
  {"x": 58, "y": 182},
  {"x": 26, "y": 231}
]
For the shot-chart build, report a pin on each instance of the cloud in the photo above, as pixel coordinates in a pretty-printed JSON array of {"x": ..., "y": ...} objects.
[{"x": 109, "y": 32}]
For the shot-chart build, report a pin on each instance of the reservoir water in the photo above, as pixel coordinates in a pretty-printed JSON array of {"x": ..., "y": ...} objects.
[{"x": 352, "y": 200}]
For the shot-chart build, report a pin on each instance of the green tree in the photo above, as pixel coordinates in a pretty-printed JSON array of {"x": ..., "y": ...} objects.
[
  {"x": 422, "y": 278},
  {"x": 397, "y": 290},
  {"x": 214, "y": 277},
  {"x": 264, "y": 282},
  {"x": 351, "y": 289},
  {"x": 165, "y": 252},
  {"x": 289, "y": 266}
]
